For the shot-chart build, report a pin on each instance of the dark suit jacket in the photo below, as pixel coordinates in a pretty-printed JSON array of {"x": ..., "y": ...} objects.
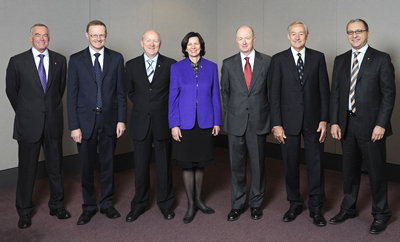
[
  {"x": 149, "y": 100},
  {"x": 185, "y": 90},
  {"x": 33, "y": 108},
  {"x": 293, "y": 105},
  {"x": 82, "y": 92},
  {"x": 239, "y": 102},
  {"x": 375, "y": 92}
]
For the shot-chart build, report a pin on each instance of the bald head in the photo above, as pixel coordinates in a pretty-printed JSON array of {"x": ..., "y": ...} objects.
[
  {"x": 151, "y": 43},
  {"x": 245, "y": 28}
]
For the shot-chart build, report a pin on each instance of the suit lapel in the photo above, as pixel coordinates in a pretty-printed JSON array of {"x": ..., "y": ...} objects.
[
  {"x": 289, "y": 60},
  {"x": 256, "y": 69},
  {"x": 347, "y": 69},
  {"x": 52, "y": 67},
  {"x": 31, "y": 67},
  {"x": 365, "y": 62},
  {"x": 308, "y": 65},
  {"x": 159, "y": 67},
  {"x": 87, "y": 59},
  {"x": 106, "y": 63},
  {"x": 239, "y": 71}
]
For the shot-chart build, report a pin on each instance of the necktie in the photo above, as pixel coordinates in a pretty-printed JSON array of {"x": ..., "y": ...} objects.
[
  {"x": 150, "y": 70},
  {"x": 247, "y": 72},
  {"x": 42, "y": 73},
  {"x": 354, "y": 73},
  {"x": 97, "y": 71},
  {"x": 300, "y": 67}
]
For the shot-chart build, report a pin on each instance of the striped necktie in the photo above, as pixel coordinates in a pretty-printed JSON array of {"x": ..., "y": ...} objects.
[
  {"x": 354, "y": 74},
  {"x": 150, "y": 70}
]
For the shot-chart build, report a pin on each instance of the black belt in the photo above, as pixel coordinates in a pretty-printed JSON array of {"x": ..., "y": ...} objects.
[
  {"x": 98, "y": 110},
  {"x": 351, "y": 113}
]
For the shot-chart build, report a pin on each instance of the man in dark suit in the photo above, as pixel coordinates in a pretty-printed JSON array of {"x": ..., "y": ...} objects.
[
  {"x": 299, "y": 97},
  {"x": 35, "y": 84},
  {"x": 244, "y": 96},
  {"x": 96, "y": 116},
  {"x": 147, "y": 85},
  {"x": 362, "y": 100}
]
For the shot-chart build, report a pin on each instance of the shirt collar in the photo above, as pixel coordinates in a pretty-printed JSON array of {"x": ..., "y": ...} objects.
[
  {"x": 92, "y": 52},
  {"x": 294, "y": 52},
  {"x": 251, "y": 55},
  {"x": 362, "y": 50},
  {"x": 147, "y": 58},
  {"x": 35, "y": 52}
]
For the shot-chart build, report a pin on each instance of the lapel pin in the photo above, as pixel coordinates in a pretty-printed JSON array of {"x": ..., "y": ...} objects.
[
  {"x": 159, "y": 65},
  {"x": 368, "y": 58},
  {"x": 55, "y": 63}
]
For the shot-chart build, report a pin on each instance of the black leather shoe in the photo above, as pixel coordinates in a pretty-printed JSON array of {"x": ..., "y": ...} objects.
[
  {"x": 378, "y": 226},
  {"x": 292, "y": 214},
  {"x": 318, "y": 219},
  {"x": 168, "y": 213},
  {"x": 256, "y": 213},
  {"x": 110, "y": 212},
  {"x": 187, "y": 219},
  {"x": 24, "y": 222},
  {"x": 85, "y": 217},
  {"x": 208, "y": 210},
  {"x": 234, "y": 214},
  {"x": 340, "y": 218},
  {"x": 61, "y": 213},
  {"x": 133, "y": 215}
]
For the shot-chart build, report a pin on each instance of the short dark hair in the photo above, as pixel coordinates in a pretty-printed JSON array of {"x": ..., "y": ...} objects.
[
  {"x": 95, "y": 23},
  {"x": 358, "y": 20},
  {"x": 185, "y": 42}
]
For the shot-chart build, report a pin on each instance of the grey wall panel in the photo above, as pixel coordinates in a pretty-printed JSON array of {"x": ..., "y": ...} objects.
[{"x": 175, "y": 18}]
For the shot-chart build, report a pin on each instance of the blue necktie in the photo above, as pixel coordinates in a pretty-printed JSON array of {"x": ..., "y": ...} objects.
[
  {"x": 300, "y": 66},
  {"x": 97, "y": 71},
  {"x": 42, "y": 73},
  {"x": 150, "y": 70}
]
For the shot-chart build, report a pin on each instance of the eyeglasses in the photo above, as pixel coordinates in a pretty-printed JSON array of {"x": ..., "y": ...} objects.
[
  {"x": 95, "y": 36},
  {"x": 358, "y": 31}
]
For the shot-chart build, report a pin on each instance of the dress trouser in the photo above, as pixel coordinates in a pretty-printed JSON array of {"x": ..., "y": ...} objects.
[
  {"x": 87, "y": 156},
  {"x": 315, "y": 170},
  {"x": 239, "y": 146},
  {"x": 355, "y": 148},
  {"x": 142, "y": 160},
  {"x": 28, "y": 155}
]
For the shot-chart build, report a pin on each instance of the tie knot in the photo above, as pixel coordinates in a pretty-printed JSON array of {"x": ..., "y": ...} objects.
[
  {"x": 97, "y": 55},
  {"x": 41, "y": 56},
  {"x": 150, "y": 61},
  {"x": 299, "y": 54},
  {"x": 247, "y": 59},
  {"x": 356, "y": 53}
]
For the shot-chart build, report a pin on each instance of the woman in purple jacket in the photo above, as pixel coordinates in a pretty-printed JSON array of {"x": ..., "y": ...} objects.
[{"x": 194, "y": 118}]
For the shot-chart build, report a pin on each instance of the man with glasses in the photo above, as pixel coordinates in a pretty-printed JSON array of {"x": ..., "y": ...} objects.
[
  {"x": 35, "y": 85},
  {"x": 362, "y": 98},
  {"x": 96, "y": 116}
]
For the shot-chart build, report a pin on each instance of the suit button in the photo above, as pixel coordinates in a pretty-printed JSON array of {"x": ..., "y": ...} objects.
[
  {"x": 247, "y": 108},
  {"x": 151, "y": 89}
]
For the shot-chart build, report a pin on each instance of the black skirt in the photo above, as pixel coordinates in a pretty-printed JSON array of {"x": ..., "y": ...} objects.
[{"x": 196, "y": 148}]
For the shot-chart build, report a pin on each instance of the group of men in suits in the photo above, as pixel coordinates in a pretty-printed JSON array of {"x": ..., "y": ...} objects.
[{"x": 288, "y": 94}]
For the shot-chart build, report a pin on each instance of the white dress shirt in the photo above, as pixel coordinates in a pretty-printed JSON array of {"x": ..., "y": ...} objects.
[{"x": 46, "y": 60}]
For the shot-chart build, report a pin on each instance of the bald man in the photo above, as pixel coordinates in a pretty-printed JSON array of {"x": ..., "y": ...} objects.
[
  {"x": 244, "y": 96},
  {"x": 147, "y": 85}
]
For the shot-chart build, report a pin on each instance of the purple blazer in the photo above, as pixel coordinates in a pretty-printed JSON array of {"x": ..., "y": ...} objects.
[{"x": 183, "y": 92}]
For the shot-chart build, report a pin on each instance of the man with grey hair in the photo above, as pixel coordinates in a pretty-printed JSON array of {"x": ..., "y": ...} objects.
[
  {"x": 147, "y": 85},
  {"x": 299, "y": 97},
  {"x": 35, "y": 84},
  {"x": 362, "y": 100}
]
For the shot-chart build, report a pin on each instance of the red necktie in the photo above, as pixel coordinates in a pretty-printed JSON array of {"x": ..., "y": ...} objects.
[{"x": 247, "y": 72}]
